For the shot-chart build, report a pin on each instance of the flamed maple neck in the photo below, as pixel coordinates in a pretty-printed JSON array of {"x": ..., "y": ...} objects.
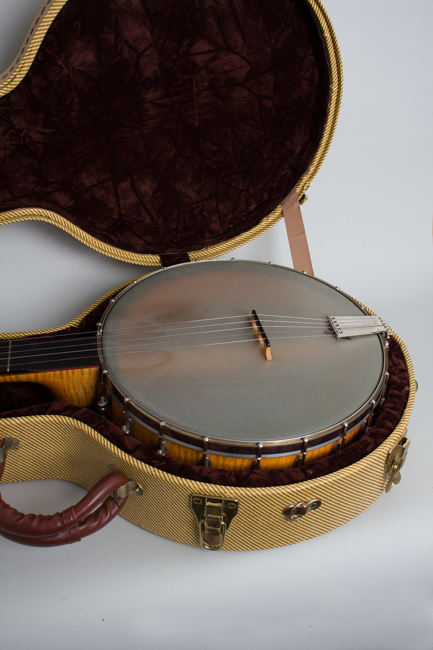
[{"x": 45, "y": 354}]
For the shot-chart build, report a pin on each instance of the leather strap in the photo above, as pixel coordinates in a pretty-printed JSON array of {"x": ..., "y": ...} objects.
[
  {"x": 296, "y": 233},
  {"x": 94, "y": 511}
]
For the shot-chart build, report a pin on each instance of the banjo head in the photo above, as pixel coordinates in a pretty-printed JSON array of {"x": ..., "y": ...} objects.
[{"x": 179, "y": 346}]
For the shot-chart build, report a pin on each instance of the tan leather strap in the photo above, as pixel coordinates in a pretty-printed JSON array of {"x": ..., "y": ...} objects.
[{"x": 296, "y": 233}]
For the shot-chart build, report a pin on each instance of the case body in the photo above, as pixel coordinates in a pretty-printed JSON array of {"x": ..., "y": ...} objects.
[{"x": 75, "y": 451}]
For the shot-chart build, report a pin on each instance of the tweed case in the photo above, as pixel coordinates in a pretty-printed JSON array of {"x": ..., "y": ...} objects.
[{"x": 77, "y": 452}]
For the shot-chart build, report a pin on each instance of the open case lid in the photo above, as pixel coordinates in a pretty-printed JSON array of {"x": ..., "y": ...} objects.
[{"x": 166, "y": 131}]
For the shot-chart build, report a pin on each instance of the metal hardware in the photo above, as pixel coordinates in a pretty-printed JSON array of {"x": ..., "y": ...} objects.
[
  {"x": 384, "y": 391},
  {"x": 9, "y": 444},
  {"x": 162, "y": 445},
  {"x": 341, "y": 442},
  {"x": 299, "y": 510},
  {"x": 125, "y": 490},
  {"x": 343, "y": 436},
  {"x": 394, "y": 462},
  {"x": 99, "y": 328},
  {"x": 257, "y": 463},
  {"x": 103, "y": 402},
  {"x": 300, "y": 461},
  {"x": 347, "y": 326},
  {"x": 206, "y": 458},
  {"x": 127, "y": 420},
  {"x": 371, "y": 414},
  {"x": 214, "y": 516}
]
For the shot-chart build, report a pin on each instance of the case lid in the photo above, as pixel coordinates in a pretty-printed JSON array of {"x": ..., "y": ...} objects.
[{"x": 166, "y": 131}]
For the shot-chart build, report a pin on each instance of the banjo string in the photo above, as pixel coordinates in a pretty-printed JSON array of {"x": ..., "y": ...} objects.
[
  {"x": 78, "y": 346},
  {"x": 181, "y": 347},
  {"x": 198, "y": 320},
  {"x": 297, "y": 322},
  {"x": 90, "y": 346},
  {"x": 291, "y": 322}
]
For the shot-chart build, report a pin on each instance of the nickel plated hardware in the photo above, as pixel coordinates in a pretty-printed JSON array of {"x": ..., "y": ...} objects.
[
  {"x": 348, "y": 326},
  {"x": 395, "y": 461},
  {"x": 298, "y": 510},
  {"x": 214, "y": 516},
  {"x": 9, "y": 444}
]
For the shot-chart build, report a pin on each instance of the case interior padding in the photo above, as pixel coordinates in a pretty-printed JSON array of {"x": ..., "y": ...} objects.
[
  {"x": 396, "y": 400},
  {"x": 166, "y": 127}
]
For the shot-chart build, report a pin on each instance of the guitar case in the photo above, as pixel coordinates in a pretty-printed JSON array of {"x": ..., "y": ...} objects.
[{"x": 162, "y": 133}]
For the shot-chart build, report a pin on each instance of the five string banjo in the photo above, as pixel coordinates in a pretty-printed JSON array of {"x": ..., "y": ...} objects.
[{"x": 240, "y": 365}]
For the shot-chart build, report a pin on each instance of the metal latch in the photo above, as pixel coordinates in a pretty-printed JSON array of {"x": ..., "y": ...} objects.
[
  {"x": 214, "y": 516},
  {"x": 8, "y": 444},
  {"x": 395, "y": 461}
]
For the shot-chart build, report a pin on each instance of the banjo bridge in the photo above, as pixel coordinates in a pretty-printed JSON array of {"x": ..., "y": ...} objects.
[
  {"x": 261, "y": 335},
  {"x": 348, "y": 326}
]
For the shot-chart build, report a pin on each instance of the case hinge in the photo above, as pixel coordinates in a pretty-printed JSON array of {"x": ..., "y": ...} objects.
[
  {"x": 214, "y": 516},
  {"x": 395, "y": 461}
]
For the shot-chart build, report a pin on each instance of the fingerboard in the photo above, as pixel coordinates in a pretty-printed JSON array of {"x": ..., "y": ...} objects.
[{"x": 44, "y": 354}]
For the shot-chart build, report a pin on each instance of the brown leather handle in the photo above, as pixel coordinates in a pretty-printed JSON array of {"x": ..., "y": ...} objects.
[
  {"x": 97, "y": 520},
  {"x": 70, "y": 525}
]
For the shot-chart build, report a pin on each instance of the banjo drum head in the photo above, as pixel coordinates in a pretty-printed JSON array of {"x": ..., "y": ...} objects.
[{"x": 179, "y": 344}]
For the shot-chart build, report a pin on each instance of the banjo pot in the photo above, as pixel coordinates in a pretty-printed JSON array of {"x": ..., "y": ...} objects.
[{"x": 240, "y": 365}]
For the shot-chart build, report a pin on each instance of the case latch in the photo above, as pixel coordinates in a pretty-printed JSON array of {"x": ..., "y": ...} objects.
[
  {"x": 395, "y": 461},
  {"x": 214, "y": 516},
  {"x": 8, "y": 444}
]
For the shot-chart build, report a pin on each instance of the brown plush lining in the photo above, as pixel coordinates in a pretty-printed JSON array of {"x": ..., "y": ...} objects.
[
  {"x": 14, "y": 395},
  {"x": 165, "y": 127}
]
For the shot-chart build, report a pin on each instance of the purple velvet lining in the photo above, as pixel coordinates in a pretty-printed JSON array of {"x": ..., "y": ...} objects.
[
  {"x": 386, "y": 422},
  {"x": 166, "y": 126}
]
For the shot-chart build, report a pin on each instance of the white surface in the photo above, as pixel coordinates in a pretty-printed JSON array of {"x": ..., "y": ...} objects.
[{"x": 365, "y": 586}]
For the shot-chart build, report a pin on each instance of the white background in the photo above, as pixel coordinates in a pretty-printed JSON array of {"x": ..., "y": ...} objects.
[{"x": 365, "y": 586}]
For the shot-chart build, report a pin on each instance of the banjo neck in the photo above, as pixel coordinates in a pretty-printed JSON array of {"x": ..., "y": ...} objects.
[
  {"x": 40, "y": 355},
  {"x": 54, "y": 362}
]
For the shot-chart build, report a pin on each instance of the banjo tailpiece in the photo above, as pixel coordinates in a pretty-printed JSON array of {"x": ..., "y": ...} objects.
[{"x": 348, "y": 326}]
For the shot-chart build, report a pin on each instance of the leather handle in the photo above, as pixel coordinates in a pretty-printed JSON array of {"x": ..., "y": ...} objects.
[{"x": 94, "y": 511}]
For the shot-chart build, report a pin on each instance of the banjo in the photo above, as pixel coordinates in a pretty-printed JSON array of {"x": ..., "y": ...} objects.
[{"x": 240, "y": 365}]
